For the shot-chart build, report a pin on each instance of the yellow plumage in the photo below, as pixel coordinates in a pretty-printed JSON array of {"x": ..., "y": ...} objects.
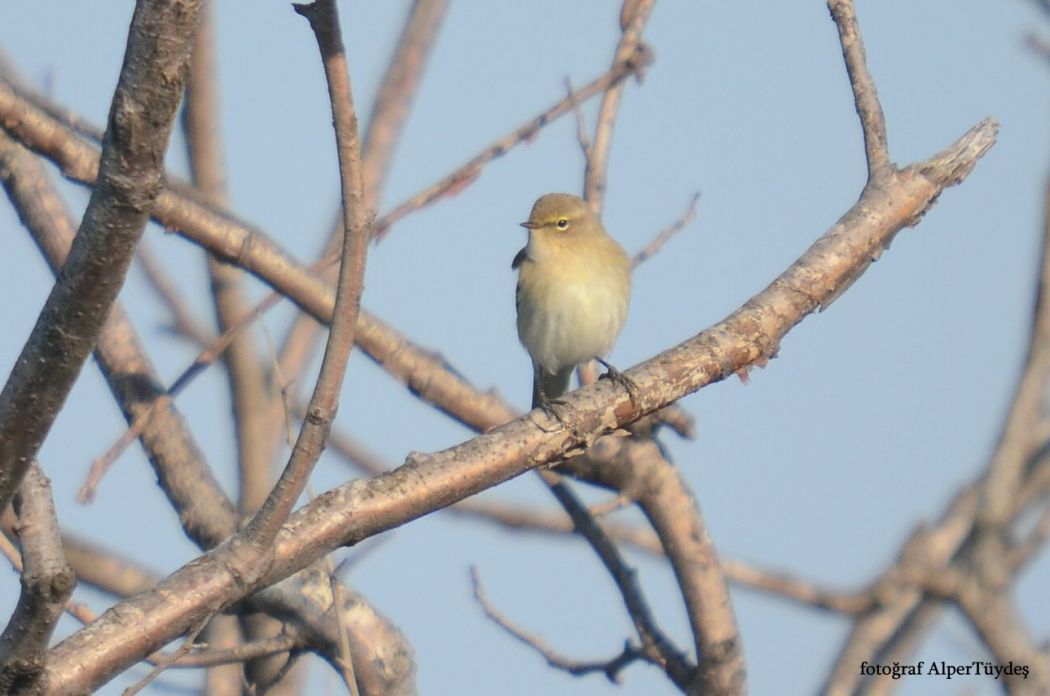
[{"x": 574, "y": 286}]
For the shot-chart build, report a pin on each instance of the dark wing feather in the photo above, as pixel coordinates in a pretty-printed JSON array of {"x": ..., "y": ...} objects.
[{"x": 519, "y": 258}]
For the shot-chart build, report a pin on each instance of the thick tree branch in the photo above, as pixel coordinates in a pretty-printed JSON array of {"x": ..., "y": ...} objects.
[
  {"x": 360, "y": 509},
  {"x": 130, "y": 178},
  {"x": 557, "y": 524},
  {"x": 206, "y": 513},
  {"x": 204, "y": 510}
]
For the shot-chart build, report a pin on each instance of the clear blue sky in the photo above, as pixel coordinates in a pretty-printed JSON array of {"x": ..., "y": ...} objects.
[{"x": 872, "y": 415}]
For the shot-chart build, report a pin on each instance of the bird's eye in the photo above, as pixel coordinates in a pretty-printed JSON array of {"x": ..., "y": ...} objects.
[{"x": 562, "y": 223}]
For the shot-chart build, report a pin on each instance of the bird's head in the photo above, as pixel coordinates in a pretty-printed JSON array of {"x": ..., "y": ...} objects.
[{"x": 560, "y": 214}]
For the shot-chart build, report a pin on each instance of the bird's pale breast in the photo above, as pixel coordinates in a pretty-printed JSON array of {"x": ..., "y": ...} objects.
[{"x": 572, "y": 312}]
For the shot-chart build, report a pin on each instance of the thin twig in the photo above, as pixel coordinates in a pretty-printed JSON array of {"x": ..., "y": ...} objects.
[
  {"x": 581, "y": 123},
  {"x": 872, "y": 120},
  {"x": 634, "y": 14},
  {"x": 610, "y": 668},
  {"x": 390, "y": 110},
  {"x": 266, "y": 647},
  {"x": 324, "y": 21},
  {"x": 168, "y": 661},
  {"x": 657, "y": 647},
  {"x": 465, "y": 174},
  {"x": 396, "y": 93},
  {"x": 665, "y": 234},
  {"x": 101, "y": 464}
]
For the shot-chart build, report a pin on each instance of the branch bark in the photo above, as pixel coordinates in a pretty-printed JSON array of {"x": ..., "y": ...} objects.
[
  {"x": 47, "y": 582},
  {"x": 130, "y": 178}
]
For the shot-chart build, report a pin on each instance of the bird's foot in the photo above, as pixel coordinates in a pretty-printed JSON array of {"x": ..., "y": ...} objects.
[
  {"x": 620, "y": 378},
  {"x": 550, "y": 409}
]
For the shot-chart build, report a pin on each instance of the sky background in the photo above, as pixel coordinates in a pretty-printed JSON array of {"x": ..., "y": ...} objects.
[{"x": 872, "y": 415}]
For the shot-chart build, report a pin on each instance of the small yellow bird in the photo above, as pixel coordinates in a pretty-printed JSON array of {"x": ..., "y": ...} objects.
[{"x": 574, "y": 285}]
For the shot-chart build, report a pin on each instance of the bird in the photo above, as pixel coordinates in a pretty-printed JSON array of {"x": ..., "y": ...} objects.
[{"x": 573, "y": 292}]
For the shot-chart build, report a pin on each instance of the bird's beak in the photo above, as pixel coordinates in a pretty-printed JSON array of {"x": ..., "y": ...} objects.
[{"x": 529, "y": 225}]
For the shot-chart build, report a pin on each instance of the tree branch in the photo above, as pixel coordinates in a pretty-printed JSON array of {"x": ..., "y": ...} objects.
[
  {"x": 47, "y": 582},
  {"x": 130, "y": 178},
  {"x": 324, "y": 21},
  {"x": 610, "y": 668},
  {"x": 872, "y": 120}
]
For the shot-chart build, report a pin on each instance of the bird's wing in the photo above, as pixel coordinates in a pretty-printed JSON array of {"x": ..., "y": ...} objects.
[{"x": 519, "y": 257}]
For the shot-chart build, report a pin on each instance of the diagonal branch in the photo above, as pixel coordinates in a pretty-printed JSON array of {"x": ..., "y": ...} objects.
[
  {"x": 610, "y": 668},
  {"x": 130, "y": 178},
  {"x": 634, "y": 14},
  {"x": 396, "y": 93},
  {"x": 361, "y": 509},
  {"x": 206, "y": 513},
  {"x": 656, "y": 646},
  {"x": 183, "y": 474}
]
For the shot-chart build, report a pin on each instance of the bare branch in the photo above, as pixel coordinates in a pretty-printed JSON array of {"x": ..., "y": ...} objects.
[
  {"x": 396, "y": 93},
  {"x": 610, "y": 668},
  {"x": 872, "y": 120},
  {"x": 324, "y": 21},
  {"x": 1017, "y": 442},
  {"x": 428, "y": 482},
  {"x": 165, "y": 397},
  {"x": 242, "y": 653},
  {"x": 468, "y": 172},
  {"x": 47, "y": 582},
  {"x": 636, "y": 468},
  {"x": 664, "y": 235},
  {"x": 657, "y": 647},
  {"x": 161, "y": 663},
  {"x": 208, "y": 519},
  {"x": 973, "y": 533},
  {"x": 527, "y": 519},
  {"x": 244, "y": 372},
  {"x": 581, "y": 124},
  {"x": 634, "y": 14},
  {"x": 183, "y": 474},
  {"x": 130, "y": 177}
]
